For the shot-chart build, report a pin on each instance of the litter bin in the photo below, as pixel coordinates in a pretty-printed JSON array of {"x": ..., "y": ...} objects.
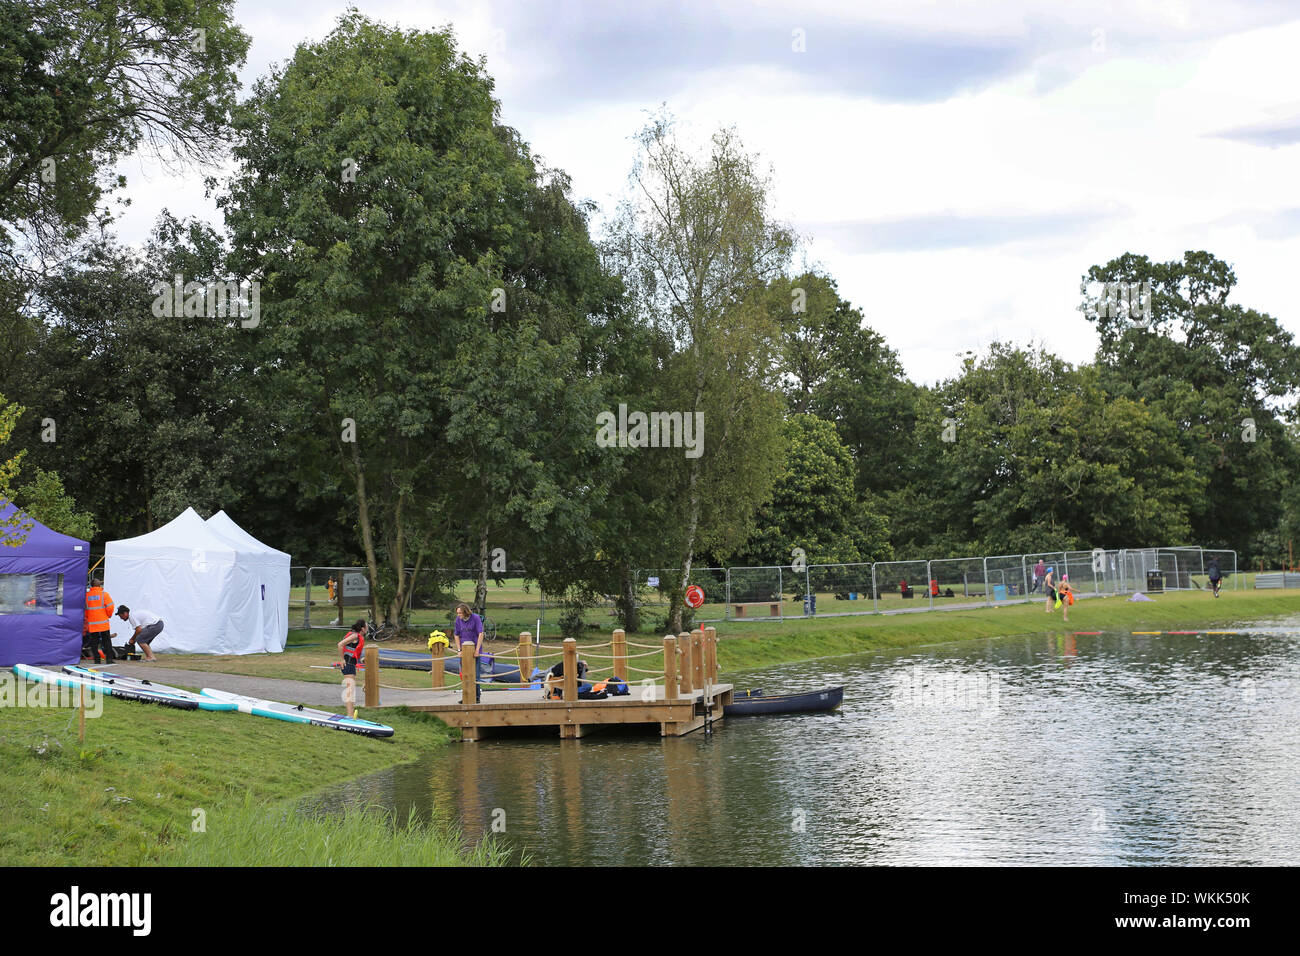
[
  {"x": 999, "y": 592},
  {"x": 809, "y": 605},
  {"x": 1155, "y": 581}
]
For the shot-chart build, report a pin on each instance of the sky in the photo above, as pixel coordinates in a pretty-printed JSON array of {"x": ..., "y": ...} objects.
[{"x": 955, "y": 166}]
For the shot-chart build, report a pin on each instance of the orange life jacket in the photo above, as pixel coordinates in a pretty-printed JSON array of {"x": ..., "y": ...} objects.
[{"x": 99, "y": 610}]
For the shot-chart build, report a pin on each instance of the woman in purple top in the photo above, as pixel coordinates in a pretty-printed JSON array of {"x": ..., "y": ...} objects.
[{"x": 469, "y": 629}]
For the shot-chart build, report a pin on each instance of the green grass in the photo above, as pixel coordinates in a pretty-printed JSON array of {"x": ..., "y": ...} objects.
[
  {"x": 756, "y": 644},
  {"x": 128, "y": 795},
  {"x": 252, "y": 835}
]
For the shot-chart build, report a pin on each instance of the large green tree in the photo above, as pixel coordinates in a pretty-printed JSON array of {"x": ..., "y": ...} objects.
[
  {"x": 427, "y": 296},
  {"x": 87, "y": 82},
  {"x": 1224, "y": 374},
  {"x": 142, "y": 414},
  {"x": 1041, "y": 456},
  {"x": 816, "y": 516}
]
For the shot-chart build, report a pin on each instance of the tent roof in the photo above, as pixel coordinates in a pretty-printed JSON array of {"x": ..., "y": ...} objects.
[
  {"x": 226, "y": 525},
  {"x": 181, "y": 536},
  {"x": 41, "y": 541}
]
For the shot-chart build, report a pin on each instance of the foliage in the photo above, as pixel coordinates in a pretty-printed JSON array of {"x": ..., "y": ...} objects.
[{"x": 696, "y": 243}]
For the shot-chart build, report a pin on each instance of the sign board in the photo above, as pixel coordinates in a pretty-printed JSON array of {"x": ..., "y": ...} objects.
[
  {"x": 356, "y": 588},
  {"x": 652, "y": 582}
]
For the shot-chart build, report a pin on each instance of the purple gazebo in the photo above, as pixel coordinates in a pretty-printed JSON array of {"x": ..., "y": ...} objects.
[{"x": 42, "y": 596}]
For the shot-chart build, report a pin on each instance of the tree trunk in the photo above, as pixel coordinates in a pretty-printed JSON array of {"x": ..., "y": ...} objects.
[
  {"x": 398, "y": 559},
  {"x": 480, "y": 590},
  {"x": 367, "y": 537},
  {"x": 679, "y": 594},
  {"x": 630, "y": 612}
]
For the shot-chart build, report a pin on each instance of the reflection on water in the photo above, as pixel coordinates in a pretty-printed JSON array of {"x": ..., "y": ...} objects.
[{"x": 1052, "y": 749}]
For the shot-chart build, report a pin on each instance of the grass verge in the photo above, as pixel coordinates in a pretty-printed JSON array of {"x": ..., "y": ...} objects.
[{"x": 147, "y": 777}]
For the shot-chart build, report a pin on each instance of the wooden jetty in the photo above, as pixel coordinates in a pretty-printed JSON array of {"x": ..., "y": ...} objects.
[{"x": 683, "y": 699}]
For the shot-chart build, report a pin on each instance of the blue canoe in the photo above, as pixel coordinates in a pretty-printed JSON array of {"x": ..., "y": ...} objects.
[
  {"x": 415, "y": 661},
  {"x": 756, "y": 703}
]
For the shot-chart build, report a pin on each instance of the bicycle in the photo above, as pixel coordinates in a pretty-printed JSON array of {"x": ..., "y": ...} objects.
[
  {"x": 380, "y": 632},
  {"x": 489, "y": 625}
]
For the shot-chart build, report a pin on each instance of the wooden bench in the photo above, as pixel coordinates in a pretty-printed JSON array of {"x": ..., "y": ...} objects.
[{"x": 774, "y": 605}]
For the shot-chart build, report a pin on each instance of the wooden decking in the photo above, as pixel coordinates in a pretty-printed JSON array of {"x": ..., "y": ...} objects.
[{"x": 502, "y": 709}]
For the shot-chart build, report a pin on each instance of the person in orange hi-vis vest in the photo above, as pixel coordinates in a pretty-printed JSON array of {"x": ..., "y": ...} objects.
[{"x": 99, "y": 609}]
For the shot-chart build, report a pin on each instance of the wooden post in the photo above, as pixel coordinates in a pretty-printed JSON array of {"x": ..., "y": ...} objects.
[
  {"x": 697, "y": 657},
  {"x": 620, "y": 653},
  {"x": 437, "y": 669},
  {"x": 711, "y": 652},
  {"x": 684, "y": 686},
  {"x": 525, "y": 656},
  {"x": 372, "y": 676},
  {"x": 670, "y": 667},
  {"x": 570, "y": 669},
  {"x": 468, "y": 674}
]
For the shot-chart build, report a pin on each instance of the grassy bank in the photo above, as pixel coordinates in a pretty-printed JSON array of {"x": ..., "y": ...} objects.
[
  {"x": 134, "y": 792},
  {"x": 759, "y": 644}
]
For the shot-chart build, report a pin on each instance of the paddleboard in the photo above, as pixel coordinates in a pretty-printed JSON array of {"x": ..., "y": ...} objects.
[
  {"x": 122, "y": 680},
  {"x": 298, "y": 714},
  {"x": 145, "y": 694}
]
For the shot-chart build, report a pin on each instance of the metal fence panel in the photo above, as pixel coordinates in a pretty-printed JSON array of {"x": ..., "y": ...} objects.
[
  {"x": 759, "y": 593},
  {"x": 840, "y": 589}
]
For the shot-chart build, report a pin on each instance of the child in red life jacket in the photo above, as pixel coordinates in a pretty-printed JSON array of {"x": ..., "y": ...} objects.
[{"x": 351, "y": 648}]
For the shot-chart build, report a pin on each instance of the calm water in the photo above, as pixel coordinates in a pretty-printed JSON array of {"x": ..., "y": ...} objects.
[{"x": 1055, "y": 749}]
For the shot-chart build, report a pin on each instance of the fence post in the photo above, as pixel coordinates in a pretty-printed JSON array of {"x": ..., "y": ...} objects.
[
  {"x": 437, "y": 671},
  {"x": 1024, "y": 579},
  {"x": 620, "y": 653},
  {"x": 685, "y": 670},
  {"x": 711, "y": 653},
  {"x": 670, "y": 667},
  {"x": 697, "y": 657},
  {"x": 929, "y": 591},
  {"x": 875, "y": 592},
  {"x": 807, "y": 591},
  {"x": 306, "y": 603},
  {"x": 570, "y": 669},
  {"x": 726, "y": 608},
  {"x": 525, "y": 656},
  {"x": 372, "y": 676},
  {"x": 987, "y": 596},
  {"x": 468, "y": 674},
  {"x": 780, "y": 594}
]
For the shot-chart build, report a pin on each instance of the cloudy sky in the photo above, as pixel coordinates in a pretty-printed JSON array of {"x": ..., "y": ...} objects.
[{"x": 955, "y": 166}]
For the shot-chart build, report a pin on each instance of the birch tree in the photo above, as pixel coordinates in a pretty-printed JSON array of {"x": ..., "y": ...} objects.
[{"x": 697, "y": 243}]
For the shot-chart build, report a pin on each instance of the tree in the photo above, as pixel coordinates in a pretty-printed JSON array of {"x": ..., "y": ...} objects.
[
  {"x": 14, "y": 528},
  {"x": 427, "y": 296},
  {"x": 85, "y": 84},
  {"x": 814, "y": 506},
  {"x": 1042, "y": 457},
  {"x": 1225, "y": 374},
  {"x": 42, "y": 497},
  {"x": 697, "y": 244},
  {"x": 151, "y": 408}
]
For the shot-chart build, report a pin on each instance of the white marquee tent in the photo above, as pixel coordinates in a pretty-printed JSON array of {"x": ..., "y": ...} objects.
[
  {"x": 214, "y": 593},
  {"x": 273, "y": 576}
]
